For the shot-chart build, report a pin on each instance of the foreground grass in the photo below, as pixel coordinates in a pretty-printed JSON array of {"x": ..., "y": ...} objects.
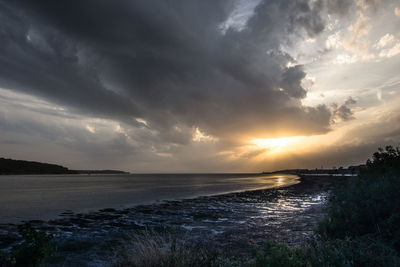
[{"x": 163, "y": 249}]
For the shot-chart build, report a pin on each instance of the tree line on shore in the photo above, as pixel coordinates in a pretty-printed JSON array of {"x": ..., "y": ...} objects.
[{"x": 11, "y": 166}]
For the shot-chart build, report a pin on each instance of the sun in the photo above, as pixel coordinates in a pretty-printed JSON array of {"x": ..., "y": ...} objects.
[{"x": 273, "y": 144}]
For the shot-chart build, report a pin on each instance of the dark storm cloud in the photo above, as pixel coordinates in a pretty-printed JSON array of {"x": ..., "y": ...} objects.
[
  {"x": 166, "y": 62},
  {"x": 343, "y": 112},
  {"x": 340, "y": 7},
  {"x": 291, "y": 79}
]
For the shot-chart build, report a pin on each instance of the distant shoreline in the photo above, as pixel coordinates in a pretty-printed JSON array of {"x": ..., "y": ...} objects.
[
  {"x": 23, "y": 167},
  {"x": 96, "y": 172}
]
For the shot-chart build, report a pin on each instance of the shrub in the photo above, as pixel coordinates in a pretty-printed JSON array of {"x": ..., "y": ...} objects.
[
  {"x": 361, "y": 251},
  {"x": 384, "y": 162},
  {"x": 362, "y": 226},
  {"x": 271, "y": 255},
  {"x": 33, "y": 249},
  {"x": 368, "y": 204}
]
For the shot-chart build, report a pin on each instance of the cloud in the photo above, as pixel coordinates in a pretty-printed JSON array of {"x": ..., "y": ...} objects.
[
  {"x": 368, "y": 4},
  {"x": 350, "y": 101},
  {"x": 397, "y": 12},
  {"x": 343, "y": 112},
  {"x": 167, "y": 64},
  {"x": 384, "y": 130},
  {"x": 357, "y": 41},
  {"x": 385, "y": 41},
  {"x": 388, "y": 46},
  {"x": 165, "y": 76},
  {"x": 353, "y": 147},
  {"x": 391, "y": 52},
  {"x": 340, "y": 7}
]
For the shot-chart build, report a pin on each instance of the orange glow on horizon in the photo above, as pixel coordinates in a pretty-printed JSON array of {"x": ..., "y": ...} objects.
[
  {"x": 276, "y": 144},
  {"x": 256, "y": 150}
]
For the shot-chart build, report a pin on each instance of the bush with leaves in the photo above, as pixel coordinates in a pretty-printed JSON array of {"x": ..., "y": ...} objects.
[
  {"x": 272, "y": 254},
  {"x": 33, "y": 249},
  {"x": 364, "y": 213}
]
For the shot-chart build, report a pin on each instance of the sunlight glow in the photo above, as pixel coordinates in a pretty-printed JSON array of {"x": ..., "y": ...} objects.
[
  {"x": 90, "y": 129},
  {"x": 274, "y": 144}
]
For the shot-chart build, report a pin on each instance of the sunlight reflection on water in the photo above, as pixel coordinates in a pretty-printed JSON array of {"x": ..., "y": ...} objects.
[{"x": 46, "y": 196}]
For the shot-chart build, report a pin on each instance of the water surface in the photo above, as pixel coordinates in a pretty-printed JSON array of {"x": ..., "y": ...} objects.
[{"x": 27, "y": 197}]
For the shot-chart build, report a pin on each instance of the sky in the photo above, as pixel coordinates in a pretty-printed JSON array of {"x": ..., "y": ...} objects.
[{"x": 199, "y": 85}]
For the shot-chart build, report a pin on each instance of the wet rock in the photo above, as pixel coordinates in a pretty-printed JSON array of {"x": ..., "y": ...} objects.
[{"x": 108, "y": 210}]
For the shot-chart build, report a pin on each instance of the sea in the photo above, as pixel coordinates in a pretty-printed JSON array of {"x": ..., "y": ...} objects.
[{"x": 44, "y": 197}]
